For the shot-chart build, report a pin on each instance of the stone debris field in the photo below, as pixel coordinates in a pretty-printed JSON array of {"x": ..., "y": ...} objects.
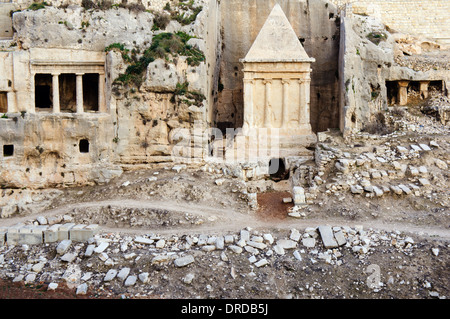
[{"x": 232, "y": 265}]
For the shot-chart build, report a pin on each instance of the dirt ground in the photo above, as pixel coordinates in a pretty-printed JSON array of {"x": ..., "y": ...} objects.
[{"x": 162, "y": 201}]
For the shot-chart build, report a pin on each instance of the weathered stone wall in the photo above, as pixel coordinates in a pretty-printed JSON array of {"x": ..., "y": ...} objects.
[
  {"x": 5, "y": 20},
  {"x": 365, "y": 66},
  {"x": 139, "y": 125},
  {"x": 47, "y": 154},
  {"x": 315, "y": 25},
  {"x": 427, "y": 18}
]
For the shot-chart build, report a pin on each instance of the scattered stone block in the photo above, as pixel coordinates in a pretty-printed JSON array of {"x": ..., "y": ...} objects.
[
  {"x": 268, "y": 238},
  {"x": 101, "y": 248},
  {"x": 30, "y": 277},
  {"x": 38, "y": 267},
  {"x": 356, "y": 189},
  {"x": 402, "y": 149},
  {"x": 82, "y": 289},
  {"x": 158, "y": 259},
  {"x": 423, "y": 170},
  {"x": 261, "y": 263},
  {"x": 434, "y": 144},
  {"x": 245, "y": 235},
  {"x": 405, "y": 189},
  {"x": 397, "y": 165},
  {"x": 2, "y": 237},
  {"x": 309, "y": 242},
  {"x": 89, "y": 250},
  {"x": 208, "y": 248},
  {"x": 110, "y": 275},
  {"x": 424, "y": 182},
  {"x": 52, "y": 220},
  {"x": 251, "y": 250},
  {"x": 376, "y": 175},
  {"x": 131, "y": 281},
  {"x": 68, "y": 257},
  {"x": 63, "y": 246},
  {"x": 340, "y": 238},
  {"x": 413, "y": 171},
  {"x": 220, "y": 243},
  {"x": 397, "y": 190},
  {"x": 229, "y": 239},
  {"x": 286, "y": 243},
  {"x": 425, "y": 147},
  {"x": 178, "y": 168},
  {"x": 440, "y": 163},
  {"x": 143, "y": 240},
  {"x": 143, "y": 277},
  {"x": 326, "y": 233},
  {"x": 235, "y": 249},
  {"x": 184, "y": 261},
  {"x": 295, "y": 235},
  {"x": 378, "y": 192},
  {"x": 188, "y": 278},
  {"x": 160, "y": 244},
  {"x": 435, "y": 251},
  {"x": 52, "y": 286},
  {"x": 123, "y": 273},
  {"x": 297, "y": 255},
  {"x": 278, "y": 249},
  {"x": 41, "y": 220},
  {"x": 299, "y": 195},
  {"x": 256, "y": 244}
]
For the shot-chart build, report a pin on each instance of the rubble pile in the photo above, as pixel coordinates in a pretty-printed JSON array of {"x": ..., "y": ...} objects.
[{"x": 134, "y": 265}]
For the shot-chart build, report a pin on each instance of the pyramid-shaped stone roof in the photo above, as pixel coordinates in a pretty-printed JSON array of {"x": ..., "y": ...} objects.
[{"x": 277, "y": 41}]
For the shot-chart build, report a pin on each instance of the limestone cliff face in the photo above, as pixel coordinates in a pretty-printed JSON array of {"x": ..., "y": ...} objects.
[
  {"x": 371, "y": 56},
  {"x": 140, "y": 123}
]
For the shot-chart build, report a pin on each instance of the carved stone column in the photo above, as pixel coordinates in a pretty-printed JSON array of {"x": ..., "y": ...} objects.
[
  {"x": 285, "y": 111},
  {"x": 101, "y": 93},
  {"x": 403, "y": 92},
  {"x": 424, "y": 89},
  {"x": 267, "y": 121},
  {"x": 11, "y": 98},
  {"x": 248, "y": 102},
  {"x": 55, "y": 87},
  {"x": 80, "y": 107}
]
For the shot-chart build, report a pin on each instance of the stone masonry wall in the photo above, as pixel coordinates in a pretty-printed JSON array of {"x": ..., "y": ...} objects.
[{"x": 427, "y": 18}]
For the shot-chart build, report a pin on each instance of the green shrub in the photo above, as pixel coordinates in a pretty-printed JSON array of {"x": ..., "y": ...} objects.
[
  {"x": 121, "y": 48},
  {"x": 185, "y": 20},
  {"x": 376, "y": 37},
  {"x": 163, "y": 45},
  {"x": 181, "y": 88},
  {"x": 38, "y": 5},
  {"x": 102, "y": 5},
  {"x": 160, "y": 21}
]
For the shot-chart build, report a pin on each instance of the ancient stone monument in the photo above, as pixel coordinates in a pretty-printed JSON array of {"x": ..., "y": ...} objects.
[{"x": 277, "y": 85}]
